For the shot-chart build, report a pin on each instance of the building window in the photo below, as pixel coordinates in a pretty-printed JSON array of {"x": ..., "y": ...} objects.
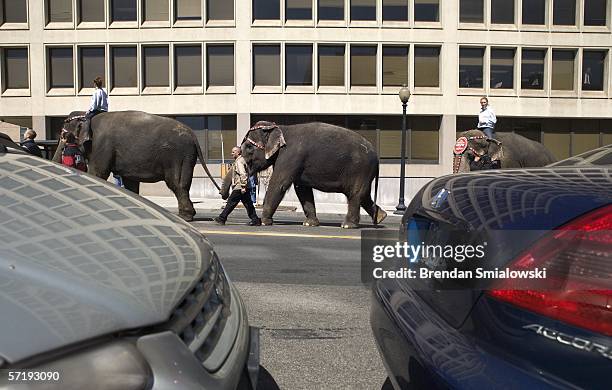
[
  {"x": 331, "y": 10},
  {"x": 363, "y": 66},
  {"x": 156, "y": 66},
  {"x": 123, "y": 66},
  {"x": 188, "y": 9},
  {"x": 563, "y": 70},
  {"x": 534, "y": 12},
  {"x": 502, "y": 68},
  {"x": 220, "y": 10},
  {"x": 155, "y": 10},
  {"x": 299, "y": 10},
  {"x": 532, "y": 68},
  {"x": 593, "y": 65},
  {"x": 363, "y": 9},
  {"x": 426, "y": 10},
  {"x": 188, "y": 66},
  {"x": 266, "y": 9},
  {"x": 91, "y": 11},
  {"x": 395, "y": 10},
  {"x": 395, "y": 66},
  {"x": 298, "y": 65},
  {"x": 220, "y": 65},
  {"x": 423, "y": 138},
  {"x": 595, "y": 12},
  {"x": 15, "y": 69},
  {"x": 59, "y": 11},
  {"x": 266, "y": 65},
  {"x": 502, "y": 11},
  {"x": 123, "y": 11},
  {"x": 427, "y": 66},
  {"x": 564, "y": 12},
  {"x": 91, "y": 62},
  {"x": 216, "y": 134},
  {"x": 471, "y": 11},
  {"x": 59, "y": 67},
  {"x": 14, "y": 11},
  {"x": 331, "y": 65},
  {"x": 471, "y": 63}
]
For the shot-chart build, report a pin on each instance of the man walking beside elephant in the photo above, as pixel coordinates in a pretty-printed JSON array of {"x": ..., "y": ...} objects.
[{"x": 240, "y": 191}]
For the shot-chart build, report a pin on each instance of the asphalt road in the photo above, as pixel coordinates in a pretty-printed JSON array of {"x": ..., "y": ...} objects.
[{"x": 302, "y": 287}]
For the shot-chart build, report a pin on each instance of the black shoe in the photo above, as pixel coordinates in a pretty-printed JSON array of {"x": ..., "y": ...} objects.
[
  {"x": 219, "y": 221},
  {"x": 254, "y": 222}
]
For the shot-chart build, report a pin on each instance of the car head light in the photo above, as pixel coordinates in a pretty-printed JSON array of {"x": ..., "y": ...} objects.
[{"x": 116, "y": 365}]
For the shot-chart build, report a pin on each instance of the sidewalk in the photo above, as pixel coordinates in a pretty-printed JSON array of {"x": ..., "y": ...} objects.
[{"x": 209, "y": 204}]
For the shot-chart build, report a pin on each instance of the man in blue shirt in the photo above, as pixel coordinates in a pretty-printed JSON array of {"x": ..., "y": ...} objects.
[{"x": 486, "y": 118}]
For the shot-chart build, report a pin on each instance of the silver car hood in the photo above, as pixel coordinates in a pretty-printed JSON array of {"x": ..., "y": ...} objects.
[{"x": 80, "y": 258}]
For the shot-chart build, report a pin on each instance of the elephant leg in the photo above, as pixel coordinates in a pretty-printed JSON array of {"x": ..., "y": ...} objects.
[
  {"x": 373, "y": 210},
  {"x": 279, "y": 184},
  {"x": 180, "y": 185},
  {"x": 351, "y": 220},
  {"x": 132, "y": 185},
  {"x": 306, "y": 198}
]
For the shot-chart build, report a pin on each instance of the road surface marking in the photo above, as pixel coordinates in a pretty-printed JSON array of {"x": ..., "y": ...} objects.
[{"x": 273, "y": 234}]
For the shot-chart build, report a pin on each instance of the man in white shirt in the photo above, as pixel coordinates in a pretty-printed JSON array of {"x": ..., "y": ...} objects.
[{"x": 486, "y": 118}]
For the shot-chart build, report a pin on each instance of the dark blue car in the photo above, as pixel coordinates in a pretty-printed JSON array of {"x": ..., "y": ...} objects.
[{"x": 439, "y": 333}]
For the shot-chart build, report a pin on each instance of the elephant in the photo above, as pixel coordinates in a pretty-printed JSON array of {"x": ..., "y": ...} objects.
[
  {"x": 512, "y": 150},
  {"x": 314, "y": 155},
  {"x": 141, "y": 148}
]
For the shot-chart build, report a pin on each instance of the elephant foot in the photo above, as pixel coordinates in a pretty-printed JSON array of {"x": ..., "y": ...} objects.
[
  {"x": 266, "y": 221},
  {"x": 380, "y": 215},
  {"x": 349, "y": 225},
  {"x": 311, "y": 222},
  {"x": 187, "y": 217}
]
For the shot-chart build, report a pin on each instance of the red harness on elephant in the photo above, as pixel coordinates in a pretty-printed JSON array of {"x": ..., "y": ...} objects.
[
  {"x": 462, "y": 145},
  {"x": 260, "y": 126}
]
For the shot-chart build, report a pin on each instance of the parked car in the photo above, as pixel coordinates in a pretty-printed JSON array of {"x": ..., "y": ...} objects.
[
  {"x": 441, "y": 333},
  {"x": 101, "y": 289}
]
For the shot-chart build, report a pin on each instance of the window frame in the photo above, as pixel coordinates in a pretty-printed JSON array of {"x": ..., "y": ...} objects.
[
  {"x": 155, "y": 90},
  {"x": 394, "y": 90},
  {"x": 505, "y": 91},
  {"x": 17, "y": 26},
  {"x": 125, "y": 91},
  {"x": 48, "y": 25},
  {"x": 577, "y": 60},
  {"x": 369, "y": 89},
  {"x": 485, "y": 65},
  {"x": 267, "y": 22},
  {"x": 154, "y": 23},
  {"x": 91, "y": 25},
  {"x": 503, "y": 26},
  {"x": 606, "y": 74},
  {"x": 186, "y": 90},
  {"x": 427, "y": 90},
  {"x": 595, "y": 29},
  {"x": 49, "y": 91},
  {"x": 300, "y": 22},
  {"x": 566, "y": 28},
  {"x": 332, "y": 89},
  {"x": 309, "y": 89},
  {"x": 332, "y": 23},
  {"x": 132, "y": 24},
  {"x": 218, "y": 89},
  {"x": 88, "y": 90},
  {"x": 423, "y": 24},
  {"x": 14, "y": 92},
  {"x": 364, "y": 23},
  {"x": 220, "y": 22},
  {"x": 256, "y": 89},
  {"x": 546, "y": 82},
  {"x": 536, "y": 27}
]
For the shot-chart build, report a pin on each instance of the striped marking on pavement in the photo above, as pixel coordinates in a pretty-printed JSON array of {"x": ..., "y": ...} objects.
[{"x": 276, "y": 234}]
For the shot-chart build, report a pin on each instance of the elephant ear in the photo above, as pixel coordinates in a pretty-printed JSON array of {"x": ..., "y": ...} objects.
[
  {"x": 83, "y": 132},
  {"x": 496, "y": 151},
  {"x": 276, "y": 140}
]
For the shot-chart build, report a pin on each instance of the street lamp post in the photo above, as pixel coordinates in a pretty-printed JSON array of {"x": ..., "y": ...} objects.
[{"x": 404, "y": 95}]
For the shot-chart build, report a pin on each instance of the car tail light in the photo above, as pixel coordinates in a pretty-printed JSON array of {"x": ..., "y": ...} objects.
[{"x": 578, "y": 286}]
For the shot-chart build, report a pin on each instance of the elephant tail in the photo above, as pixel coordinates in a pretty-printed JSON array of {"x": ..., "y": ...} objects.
[{"x": 203, "y": 163}]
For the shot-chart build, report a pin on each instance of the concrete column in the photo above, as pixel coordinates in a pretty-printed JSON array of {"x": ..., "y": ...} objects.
[
  {"x": 448, "y": 132},
  {"x": 243, "y": 124},
  {"x": 39, "y": 124}
]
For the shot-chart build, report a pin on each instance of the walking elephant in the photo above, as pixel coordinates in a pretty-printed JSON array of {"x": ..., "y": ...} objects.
[
  {"x": 141, "y": 148},
  {"x": 314, "y": 155},
  {"x": 512, "y": 150}
]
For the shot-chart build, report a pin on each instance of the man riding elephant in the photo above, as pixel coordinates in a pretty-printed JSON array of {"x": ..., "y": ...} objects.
[
  {"x": 474, "y": 150},
  {"x": 141, "y": 147}
]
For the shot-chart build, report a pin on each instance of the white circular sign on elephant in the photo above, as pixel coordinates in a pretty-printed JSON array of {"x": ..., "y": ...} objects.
[{"x": 461, "y": 145}]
